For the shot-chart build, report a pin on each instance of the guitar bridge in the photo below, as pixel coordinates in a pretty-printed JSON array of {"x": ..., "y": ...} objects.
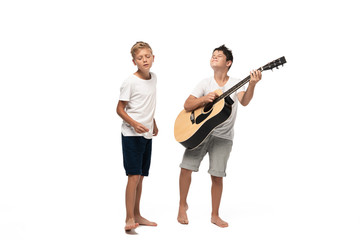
[{"x": 192, "y": 117}]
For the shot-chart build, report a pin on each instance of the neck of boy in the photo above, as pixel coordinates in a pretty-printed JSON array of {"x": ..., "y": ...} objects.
[
  {"x": 143, "y": 75},
  {"x": 221, "y": 77}
]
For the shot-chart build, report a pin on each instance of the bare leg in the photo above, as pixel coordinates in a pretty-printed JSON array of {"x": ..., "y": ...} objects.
[
  {"x": 138, "y": 218},
  {"x": 216, "y": 192},
  {"x": 130, "y": 197},
  {"x": 184, "y": 182}
]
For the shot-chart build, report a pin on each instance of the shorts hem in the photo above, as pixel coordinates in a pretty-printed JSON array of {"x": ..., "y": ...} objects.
[
  {"x": 137, "y": 173},
  {"x": 194, "y": 169},
  {"x": 216, "y": 173}
]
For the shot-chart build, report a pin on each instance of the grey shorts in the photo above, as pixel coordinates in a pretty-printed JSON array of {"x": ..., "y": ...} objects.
[{"x": 219, "y": 151}]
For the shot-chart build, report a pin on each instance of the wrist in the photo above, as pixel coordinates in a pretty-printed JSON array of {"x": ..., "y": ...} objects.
[
  {"x": 133, "y": 123},
  {"x": 202, "y": 102},
  {"x": 252, "y": 84}
]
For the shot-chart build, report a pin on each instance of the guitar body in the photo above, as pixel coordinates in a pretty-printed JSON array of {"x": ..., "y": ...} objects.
[{"x": 192, "y": 128}]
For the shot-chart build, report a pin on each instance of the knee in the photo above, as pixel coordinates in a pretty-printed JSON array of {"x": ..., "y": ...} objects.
[
  {"x": 134, "y": 179},
  {"x": 217, "y": 180},
  {"x": 185, "y": 172}
]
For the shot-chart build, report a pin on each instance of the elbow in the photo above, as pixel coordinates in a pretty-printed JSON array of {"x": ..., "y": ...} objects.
[
  {"x": 191, "y": 104},
  {"x": 118, "y": 111},
  {"x": 244, "y": 103},
  {"x": 187, "y": 108}
]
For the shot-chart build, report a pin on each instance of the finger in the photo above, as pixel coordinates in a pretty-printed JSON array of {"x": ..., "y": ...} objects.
[
  {"x": 144, "y": 129},
  {"x": 251, "y": 75},
  {"x": 140, "y": 130},
  {"x": 259, "y": 75}
]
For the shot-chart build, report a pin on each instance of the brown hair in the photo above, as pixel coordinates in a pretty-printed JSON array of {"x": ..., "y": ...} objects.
[{"x": 139, "y": 45}]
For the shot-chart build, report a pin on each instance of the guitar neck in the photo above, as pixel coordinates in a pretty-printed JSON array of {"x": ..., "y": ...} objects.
[{"x": 234, "y": 88}]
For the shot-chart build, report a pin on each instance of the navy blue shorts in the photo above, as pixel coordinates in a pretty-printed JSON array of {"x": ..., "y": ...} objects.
[{"x": 136, "y": 155}]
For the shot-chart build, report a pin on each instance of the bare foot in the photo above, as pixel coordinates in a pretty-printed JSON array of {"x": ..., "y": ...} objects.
[
  {"x": 143, "y": 221},
  {"x": 219, "y": 222},
  {"x": 182, "y": 216},
  {"x": 130, "y": 224}
]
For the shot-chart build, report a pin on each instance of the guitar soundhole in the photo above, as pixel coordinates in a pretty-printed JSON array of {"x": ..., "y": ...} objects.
[{"x": 208, "y": 107}]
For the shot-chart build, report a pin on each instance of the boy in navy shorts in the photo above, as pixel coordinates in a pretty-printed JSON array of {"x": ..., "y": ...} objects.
[{"x": 136, "y": 107}]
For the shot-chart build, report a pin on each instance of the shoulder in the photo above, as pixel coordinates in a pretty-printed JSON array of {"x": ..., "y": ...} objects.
[
  {"x": 128, "y": 81},
  {"x": 130, "y": 78},
  {"x": 201, "y": 88},
  {"x": 153, "y": 75}
]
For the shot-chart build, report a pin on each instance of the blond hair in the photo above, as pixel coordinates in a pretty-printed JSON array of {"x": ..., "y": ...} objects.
[{"x": 139, "y": 45}]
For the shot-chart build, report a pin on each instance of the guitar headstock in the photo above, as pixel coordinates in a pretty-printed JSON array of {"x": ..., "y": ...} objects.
[{"x": 274, "y": 64}]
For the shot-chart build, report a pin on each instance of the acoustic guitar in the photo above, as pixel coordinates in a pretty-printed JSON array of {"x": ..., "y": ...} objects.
[{"x": 192, "y": 128}]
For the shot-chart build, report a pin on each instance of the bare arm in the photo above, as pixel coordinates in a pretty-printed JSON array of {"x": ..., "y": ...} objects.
[
  {"x": 193, "y": 102},
  {"x": 138, "y": 127},
  {"x": 155, "y": 130},
  {"x": 245, "y": 97}
]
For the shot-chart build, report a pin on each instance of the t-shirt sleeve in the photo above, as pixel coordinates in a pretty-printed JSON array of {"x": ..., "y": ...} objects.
[
  {"x": 125, "y": 91},
  {"x": 199, "y": 90}
]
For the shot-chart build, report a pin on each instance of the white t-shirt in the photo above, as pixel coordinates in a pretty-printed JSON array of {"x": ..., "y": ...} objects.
[
  {"x": 141, "y": 97},
  {"x": 226, "y": 129}
]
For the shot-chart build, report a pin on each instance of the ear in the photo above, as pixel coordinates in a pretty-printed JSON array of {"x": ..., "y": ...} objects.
[
  {"x": 134, "y": 62},
  {"x": 153, "y": 58},
  {"x": 228, "y": 63}
]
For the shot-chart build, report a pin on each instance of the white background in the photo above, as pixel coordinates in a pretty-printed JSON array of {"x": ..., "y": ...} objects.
[{"x": 294, "y": 168}]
